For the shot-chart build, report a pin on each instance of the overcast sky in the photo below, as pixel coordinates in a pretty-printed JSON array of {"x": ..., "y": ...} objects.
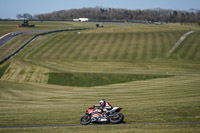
[{"x": 10, "y": 8}]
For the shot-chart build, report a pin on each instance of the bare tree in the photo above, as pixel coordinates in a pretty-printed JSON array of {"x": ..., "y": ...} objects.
[
  {"x": 19, "y": 16},
  {"x": 98, "y": 13}
]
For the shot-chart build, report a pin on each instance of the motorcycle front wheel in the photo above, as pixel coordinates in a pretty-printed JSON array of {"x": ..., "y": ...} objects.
[
  {"x": 85, "y": 120},
  {"x": 117, "y": 118}
]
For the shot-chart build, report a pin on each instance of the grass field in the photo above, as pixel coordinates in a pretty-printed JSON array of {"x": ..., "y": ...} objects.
[
  {"x": 10, "y": 26},
  {"x": 189, "y": 50},
  {"x": 115, "y": 51},
  {"x": 105, "y": 46},
  {"x": 96, "y": 79},
  {"x": 14, "y": 44}
]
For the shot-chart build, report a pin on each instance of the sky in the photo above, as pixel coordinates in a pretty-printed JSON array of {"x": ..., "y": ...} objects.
[{"x": 10, "y": 8}]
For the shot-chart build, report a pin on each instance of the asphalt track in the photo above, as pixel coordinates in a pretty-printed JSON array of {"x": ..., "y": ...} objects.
[
  {"x": 4, "y": 39},
  {"x": 75, "y": 125},
  {"x": 9, "y": 36}
]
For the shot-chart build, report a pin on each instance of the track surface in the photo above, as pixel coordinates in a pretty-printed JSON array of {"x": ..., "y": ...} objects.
[
  {"x": 4, "y": 39},
  {"x": 7, "y": 37},
  {"x": 72, "y": 125},
  {"x": 10, "y": 36}
]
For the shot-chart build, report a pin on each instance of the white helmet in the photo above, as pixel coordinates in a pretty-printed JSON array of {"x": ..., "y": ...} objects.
[{"x": 102, "y": 102}]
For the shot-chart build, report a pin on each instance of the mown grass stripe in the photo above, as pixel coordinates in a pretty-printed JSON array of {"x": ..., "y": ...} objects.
[
  {"x": 69, "y": 49},
  {"x": 55, "y": 45},
  {"x": 3, "y": 69},
  {"x": 45, "y": 45},
  {"x": 128, "y": 46},
  {"x": 137, "y": 40},
  {"x": 94, "y": 46},
  {"x": 129, "y": 49},
  {"x": 48, "y": 49},
  {"x": 197, "y": 56},
  {"x": 103, "y": 46},
  {"x": 113, "y": 47},
  {"x": 35, "y": 53},
  {"x": 80, "y": 52},
  {"x": 60, "y": 46},
  {"x": 15, "y": 73},
  {"x": 168, "y": 42},
  {"x": 145, "y": 47},
  {"x": 68, "y": 45},
  {"x": 23, "y": 73},
  {"x": 149, "y": 43},
  {"x": 77, "y": 43},
  {"x": 86, "y": 52},
  {"x": 159, "y": 44},
  {"x": 6, "y": 73},
  {"x": 195, "y": 47},
  {"x": 91, "y": 50},
  {"x": 99, "y": 46},
  {"x": 141, "y": 46},
  {"x": 118, "y": 46},
  {"x": 190, "y": 45},
  {"x": 173, "y": 38},
  {"x": 110, "y": 50},
  {"x": 123, "y": 46},
  {"x": 185, "y": 47},
  {"x": 154, "y": 46},
  {"x": 79, "y": 49},
  {"x": 107, "y": 47},
  {"x": 163, "y": 44}
]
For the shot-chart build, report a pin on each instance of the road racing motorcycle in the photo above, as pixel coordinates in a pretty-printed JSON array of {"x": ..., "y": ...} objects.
[{"x": 92, "y": 115}]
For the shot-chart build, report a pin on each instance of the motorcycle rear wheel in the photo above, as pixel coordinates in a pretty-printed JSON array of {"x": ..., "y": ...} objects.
[
  {"x": 117, "y": 119},
  {"x": 85, "y": 120}
]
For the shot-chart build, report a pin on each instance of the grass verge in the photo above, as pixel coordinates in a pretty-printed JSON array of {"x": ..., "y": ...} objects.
[
  {"x": 96, "y": 79},
  {"x": 3, "y": 69}
]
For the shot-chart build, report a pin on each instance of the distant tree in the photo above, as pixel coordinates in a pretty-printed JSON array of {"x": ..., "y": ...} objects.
[
  {"x": 19, "y": 16},
  {"x": 182, "y": 19},
  {"x": 35, "y": 17},
  {"x": 175, "y": 16},
  {"x": 98, "y": 13},
  {"x": 27, "y": 16}
]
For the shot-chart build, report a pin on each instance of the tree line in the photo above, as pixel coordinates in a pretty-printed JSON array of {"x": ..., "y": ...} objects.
[{"x": 154, "y": 15}]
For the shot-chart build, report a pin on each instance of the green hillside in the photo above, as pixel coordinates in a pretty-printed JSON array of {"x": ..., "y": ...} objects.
[
  {"x": 189, "y": 49},
  {"x": 104, "y": 46},
  {"x": 55, "y": 78}
]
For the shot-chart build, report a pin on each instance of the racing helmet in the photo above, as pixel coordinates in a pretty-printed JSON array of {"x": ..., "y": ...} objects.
[{"x": 102, "y": 102}]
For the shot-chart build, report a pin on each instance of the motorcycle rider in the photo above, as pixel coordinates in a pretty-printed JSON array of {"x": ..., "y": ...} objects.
[{"x": 104, "y": 106}]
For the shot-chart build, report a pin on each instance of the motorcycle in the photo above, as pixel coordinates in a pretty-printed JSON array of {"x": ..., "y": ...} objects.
[{"x": 92, "y": 115}]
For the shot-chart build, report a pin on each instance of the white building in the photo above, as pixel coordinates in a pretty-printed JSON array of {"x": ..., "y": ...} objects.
[{"x": 81, "y": 20}]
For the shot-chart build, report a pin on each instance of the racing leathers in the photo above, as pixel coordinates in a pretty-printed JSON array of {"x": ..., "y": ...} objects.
[{"x": 104, "y": 107}]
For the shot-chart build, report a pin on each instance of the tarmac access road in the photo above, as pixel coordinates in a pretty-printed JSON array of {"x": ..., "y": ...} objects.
[{"x": 180, "y": 41}]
